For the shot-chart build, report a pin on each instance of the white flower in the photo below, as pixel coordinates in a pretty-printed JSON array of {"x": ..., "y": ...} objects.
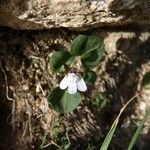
[{"x": 73, "y": 82}]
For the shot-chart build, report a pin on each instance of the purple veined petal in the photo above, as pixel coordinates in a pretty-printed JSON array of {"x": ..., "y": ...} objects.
[
  {"x": 64, "y": 83},
  {"x": 72, "y": 88},
  {"x": 81, "y": 85}
]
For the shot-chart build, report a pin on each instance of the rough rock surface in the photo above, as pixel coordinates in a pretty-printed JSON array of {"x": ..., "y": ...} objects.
[{"x": 74, "y": 14}]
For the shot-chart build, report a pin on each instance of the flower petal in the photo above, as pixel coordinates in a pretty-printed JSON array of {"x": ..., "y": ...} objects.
[
  {"x": 81, "y": 85},
  {"x": 64, "y": 83},
  {"x": 72, "y": 88}
]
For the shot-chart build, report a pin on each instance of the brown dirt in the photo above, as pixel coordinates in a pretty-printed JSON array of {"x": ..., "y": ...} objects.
[{"x": 24, "y": 57}]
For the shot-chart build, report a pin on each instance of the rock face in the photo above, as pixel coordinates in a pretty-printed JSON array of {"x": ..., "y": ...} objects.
[{"x": 73, "y": 14}]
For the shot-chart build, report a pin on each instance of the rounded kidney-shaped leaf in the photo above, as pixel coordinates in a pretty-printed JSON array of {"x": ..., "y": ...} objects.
[
  {"x": 92, "y": 58},
  {"x": 58, "y": 59},
  {"x": 93, "y": 43},
  {"x": 62, "y": 101},
  {"x": 146, "y": 81},
  {"x": 78, "y": 45},
  {"x": 83, "y": 44}
]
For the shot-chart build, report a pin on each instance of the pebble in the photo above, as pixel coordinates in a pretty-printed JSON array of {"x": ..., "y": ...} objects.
[{"x": 25, "y": 87}]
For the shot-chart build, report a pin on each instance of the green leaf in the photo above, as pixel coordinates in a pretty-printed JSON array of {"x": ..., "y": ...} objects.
[
  {"x": 62, "y": 101},
  {"x": 100, "y": 101},
  {"x": 70, "y": 61},
  {"x": 139, "y": 129},
  {"x": 78, "y": 45},
  {"x": 109, "y": 136},
  {"x": 90, "y": 48},
  {"x": 111, "y": 132},
  {"x": 146, "y": 81},
  {"x": 58, "y": 59},
  {"x": 89, "y": 77},
  {"x": 93, "y": 43},
  {"x": 93, "y": 58}
]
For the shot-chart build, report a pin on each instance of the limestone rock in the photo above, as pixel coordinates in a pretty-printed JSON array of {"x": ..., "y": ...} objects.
[{"x": 73, "y": 14}]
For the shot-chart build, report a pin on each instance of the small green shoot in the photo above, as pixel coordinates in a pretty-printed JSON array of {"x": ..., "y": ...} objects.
[{"x": 100, "y": 100}]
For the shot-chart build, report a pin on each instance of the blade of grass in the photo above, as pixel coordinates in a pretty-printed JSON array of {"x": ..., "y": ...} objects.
[
  {"x": 139, "y": 129},
  {"x": 110, "y": 134}
]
